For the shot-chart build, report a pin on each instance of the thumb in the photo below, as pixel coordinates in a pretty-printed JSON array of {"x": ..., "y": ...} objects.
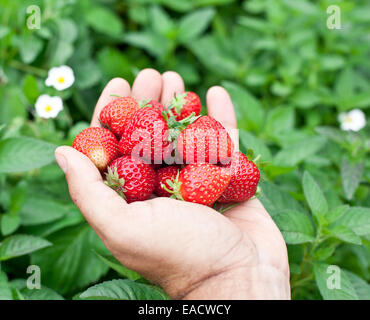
[{"x": 100, "y": 205}]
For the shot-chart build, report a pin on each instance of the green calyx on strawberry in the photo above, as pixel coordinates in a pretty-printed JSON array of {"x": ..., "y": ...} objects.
[
  {"x": 115, "y": 182},
  {"x": 183, "y": 105},
  {"x": 132, "y": 178},
  {"x": 201, "y": 183}
]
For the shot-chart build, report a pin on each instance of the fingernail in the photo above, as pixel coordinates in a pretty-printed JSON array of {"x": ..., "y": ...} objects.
[{"x": 62, "y": 161}]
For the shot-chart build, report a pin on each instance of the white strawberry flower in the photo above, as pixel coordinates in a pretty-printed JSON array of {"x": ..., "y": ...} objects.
[
  {"x": 48, "y": 107},
  {"x": 353, "y": 120},
  {"x": 60, "y": 77}
]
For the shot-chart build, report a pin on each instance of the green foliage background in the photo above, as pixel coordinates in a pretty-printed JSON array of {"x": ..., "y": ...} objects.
[{"x": 289, "y": 77}]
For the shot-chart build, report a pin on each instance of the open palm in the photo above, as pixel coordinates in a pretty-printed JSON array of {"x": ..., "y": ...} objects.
[{"x": 192, "y": 251}]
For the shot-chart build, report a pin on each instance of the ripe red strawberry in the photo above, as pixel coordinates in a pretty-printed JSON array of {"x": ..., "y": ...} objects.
[
  {"x": 115, "y": 115},
  {"x": 99, "y": 144},
  {"x": 183, "y": 105},
  {"x": 132, "y": 178},
  {"x": 146, "y": 136},
  {"x": 164, "y": 174},
  {"x": 152, "y": 103},
  {"x": 244, "y": 179},
  {"x": 205, "y": 140},
  {"x": 200, "y": 183}
]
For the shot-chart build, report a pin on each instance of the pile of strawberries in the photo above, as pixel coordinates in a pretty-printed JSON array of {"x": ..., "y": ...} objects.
[{"x": 145, "y": 148}]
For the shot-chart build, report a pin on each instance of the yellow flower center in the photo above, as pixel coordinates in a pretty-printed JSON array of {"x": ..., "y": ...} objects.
[
  {"x": 348, "y": 119},
  {"x": 60, "y": 79},
  {"x": 48, "y": 108}
]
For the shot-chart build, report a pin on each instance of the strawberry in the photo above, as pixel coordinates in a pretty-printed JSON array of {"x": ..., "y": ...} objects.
[
  {"x": 152, "y": 103},
  {"x": 205, "y": 140},
  {"x": 200, "y": 183},
  {"x": 115, "y": 115},
  {"x": 146, "y": 135},
  {"x": 164, "y": 174},
  {"x": 99, "y": 144},
  {"x": 183, "y": 105},
  {"x": 244, "y": 179},
  {"x": 132, "y": 178}
]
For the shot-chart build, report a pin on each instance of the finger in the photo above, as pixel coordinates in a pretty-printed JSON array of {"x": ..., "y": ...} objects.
[
  {"x": 172, "y": 84},
  {"x": 220, "y": 107},
  {"x": 147, "y": 85},
  {"x": 116, "y": 86},
  {"x": 100, "y": 205}
]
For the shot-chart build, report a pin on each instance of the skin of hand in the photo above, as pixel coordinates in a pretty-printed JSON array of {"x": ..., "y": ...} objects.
[{"x": 190, "y": 250}]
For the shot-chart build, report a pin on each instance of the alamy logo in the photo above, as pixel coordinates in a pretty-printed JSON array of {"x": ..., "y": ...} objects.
[
  {"x": 333, "y": 21},
  {"x": 34, "y": 20},
  {"x": 333, "y": 281},
  {"x": 34, "y": 280}
]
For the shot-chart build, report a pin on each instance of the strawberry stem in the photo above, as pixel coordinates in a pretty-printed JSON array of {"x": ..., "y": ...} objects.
[{"x": 115, "y": 182}]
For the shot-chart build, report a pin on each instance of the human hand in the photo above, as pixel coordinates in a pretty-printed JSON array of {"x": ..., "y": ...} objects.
[{"x": 190, "y": 250}]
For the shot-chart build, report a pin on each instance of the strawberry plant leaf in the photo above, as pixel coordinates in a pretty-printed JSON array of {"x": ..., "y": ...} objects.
[
  {"x": 351, "y": 174},
  {"x": 43, "y": 293},
  {"x": 123, "y": 290},
  {"x": 104, "y": 20},
  {"x": 334, "y": 283},
  {"x": 275, "y": 200},
  {"x": 117, "y": 266},
  {"x": 71, "y": 263},
  {"x": 19, "y": 245},
  {"x": 5, "y": 290},
  {"x": 314, "y": 195},
  {"x": 345, "y": 234},
  {"x": 295, "y": 226},
  {"x": 361, "y": 287},
  {"x": 9, "y": 223},
  {"x": 248, "y": 109},
  {"x": 193, "y": 24},
  {"x": 37, "y": 210},
  {"x": 357, "y": 219},
  {"x": 295, "y": 153},
  {"x": 23, "y": 154}
]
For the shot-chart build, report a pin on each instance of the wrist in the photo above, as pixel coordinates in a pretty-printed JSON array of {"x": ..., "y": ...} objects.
[{"x": 244, "y": 283}]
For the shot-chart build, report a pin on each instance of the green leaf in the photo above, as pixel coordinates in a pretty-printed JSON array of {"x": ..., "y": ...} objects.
[
  {"x": 336, "y": 213},
  {"x": 279, "y": 119},
  {"x": 248, "y": 110},
  {"x": 38, "y": 210},
  {"x": 295, "y": 153},
  {"x": 29, "y": 47},
  {"x": 333, "y": 134},
  {"x": 155, "y": 44},
  {"x": 104, "y": 20},
  {"x": 325, "y": 278},
  {"x": 314, "y": 195},
  {"x": 161, "y": 21},
  {"x": 9, "y": 223},
  {"x": 30, "y": 88},
  {"x": 295, "y": 226},
  {"x": 207, "y": 49},
  {"x": 23, "y": 154},
  {"x": 19, "y": 245},
  {"x": 345, "y": 234},
  {"x": 249, "y": 141},
  {"x": 5, "y": 290},
  {"x": 43, "y": 293},
  {"x": 357, "y": 219},
  {"x": 194, "y": 24},
  {"x": 71, "y": 263},
  {"x": 361, "y": 287},
  {"x": 117, "y": 266},
  {"x": 275, "y": 200},
  {"x": 123, "y": 290},
  {"x": 351, "y": 174}
]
